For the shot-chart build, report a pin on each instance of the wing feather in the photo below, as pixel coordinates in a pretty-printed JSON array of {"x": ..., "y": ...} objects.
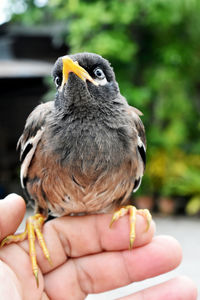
[
  {"x": 140, "y": 143},
  {"x": 33, "y": 131}
]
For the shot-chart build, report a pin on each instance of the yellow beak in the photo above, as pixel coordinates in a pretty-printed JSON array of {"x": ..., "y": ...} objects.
[{"x": 70, "y": 66}]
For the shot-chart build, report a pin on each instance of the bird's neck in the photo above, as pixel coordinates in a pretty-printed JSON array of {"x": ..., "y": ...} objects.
[{"x": 87, "y": 132}]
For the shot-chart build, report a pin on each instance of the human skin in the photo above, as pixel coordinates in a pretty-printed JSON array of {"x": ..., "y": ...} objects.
[{"x": 88, "y": 257}]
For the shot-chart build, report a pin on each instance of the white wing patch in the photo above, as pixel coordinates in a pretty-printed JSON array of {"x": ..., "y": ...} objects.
[
  {"x": 140, "y": 143},
  {"x": 142, "y": 150},
  {"x": 141, "y": 164},
  {"x": 137, "y": 184},
  {"x": 33, "y": 141}
]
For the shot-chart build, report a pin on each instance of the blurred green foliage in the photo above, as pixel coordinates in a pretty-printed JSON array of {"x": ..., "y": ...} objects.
[{"x": 154, "y": 47}]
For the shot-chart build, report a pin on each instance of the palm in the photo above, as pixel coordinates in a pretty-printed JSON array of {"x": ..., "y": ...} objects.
[{"x": 88, "y": 257}]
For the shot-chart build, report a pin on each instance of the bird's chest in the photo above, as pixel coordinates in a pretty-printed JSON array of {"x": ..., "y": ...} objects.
[
  {"x": 85, "y": 166},
  {"x": 90, "y": 144}
]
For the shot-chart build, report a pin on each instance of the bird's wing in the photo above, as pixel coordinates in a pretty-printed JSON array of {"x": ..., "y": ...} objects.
[
  {"x": 33, "y": 131},
  {"x": 140, "y": 144}
]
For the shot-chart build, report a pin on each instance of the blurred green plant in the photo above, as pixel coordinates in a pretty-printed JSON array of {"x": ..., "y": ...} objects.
[{"x": 154, "y": 47}]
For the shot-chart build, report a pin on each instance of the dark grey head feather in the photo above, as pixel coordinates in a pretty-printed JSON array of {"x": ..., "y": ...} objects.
[{"x": 78, "y": 91}]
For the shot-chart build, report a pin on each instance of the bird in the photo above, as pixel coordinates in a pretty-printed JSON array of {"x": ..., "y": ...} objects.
[{"x": 82, "y": 153}]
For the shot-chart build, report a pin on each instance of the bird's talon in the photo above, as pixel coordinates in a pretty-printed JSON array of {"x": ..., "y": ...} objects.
[
  {"x": 146, "y": 214},
  {"x": 132, "y": 239},
  {"x": 132, "y": 219},
  {"x": 112, "y": 221},
  {"x": 5, "y": 241},
  {"x": 36, "y": 277},
  {"x": 118, "y": 214},
  {"x": 14, "y": 238},
  {"x": 131, "y": 244},
  {"x": 33, "y": 230}
]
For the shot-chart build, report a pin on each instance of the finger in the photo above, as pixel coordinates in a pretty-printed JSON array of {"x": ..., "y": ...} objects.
[
  {"x": 80, "y": 236},
  {"x": 92, "y": 234},
  {"x": 12, "y": 210},
  {"x": 19, "y": 262},
  {"x": 181, "y": 288},
  {"x": 109, "y": 270},
  {"x": 10, "y": 289}
]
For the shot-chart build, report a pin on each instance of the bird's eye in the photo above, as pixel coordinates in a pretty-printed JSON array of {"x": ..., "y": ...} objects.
[
  {"x": 99, "y": 73},
  {"x": 58, "y": 81}
]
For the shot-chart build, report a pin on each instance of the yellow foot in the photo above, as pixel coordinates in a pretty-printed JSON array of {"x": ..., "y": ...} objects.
[
  {"x": 32, "y": 230},
  {"x": 133, "y": 211}
]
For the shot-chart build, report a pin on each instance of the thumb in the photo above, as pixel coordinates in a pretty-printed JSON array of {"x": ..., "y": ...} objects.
[{"x": 12, "y": 210}]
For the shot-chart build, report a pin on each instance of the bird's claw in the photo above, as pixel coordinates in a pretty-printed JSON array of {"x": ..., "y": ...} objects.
[
  {"x": 133, "y": 211},
  {"x": 32, "y": 230}
]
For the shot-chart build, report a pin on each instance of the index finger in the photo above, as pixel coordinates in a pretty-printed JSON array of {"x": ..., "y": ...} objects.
[
  {"x": 92, "y": 234},
  {"x": 79, "y": 236}
]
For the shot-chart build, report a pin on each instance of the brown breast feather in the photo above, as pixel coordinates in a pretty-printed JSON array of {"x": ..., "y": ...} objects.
[{"x": 69, "y": 190}]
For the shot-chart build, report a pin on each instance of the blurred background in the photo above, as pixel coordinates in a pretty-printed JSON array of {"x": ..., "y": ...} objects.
[{"x": 154, "y": 47}]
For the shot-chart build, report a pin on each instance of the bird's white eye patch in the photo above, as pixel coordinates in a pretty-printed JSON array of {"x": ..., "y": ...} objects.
[{"x": 101, "y": 81}]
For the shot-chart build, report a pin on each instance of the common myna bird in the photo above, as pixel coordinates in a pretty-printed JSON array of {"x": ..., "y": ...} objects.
[{"x": 83, "y": 153}]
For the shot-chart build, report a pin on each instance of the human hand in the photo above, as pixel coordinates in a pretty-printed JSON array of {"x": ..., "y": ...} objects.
[{"x": 87, "y": 257}]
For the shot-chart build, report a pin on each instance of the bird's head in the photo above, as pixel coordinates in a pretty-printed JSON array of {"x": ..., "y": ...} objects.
[{"x": 82, "y": 78}]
